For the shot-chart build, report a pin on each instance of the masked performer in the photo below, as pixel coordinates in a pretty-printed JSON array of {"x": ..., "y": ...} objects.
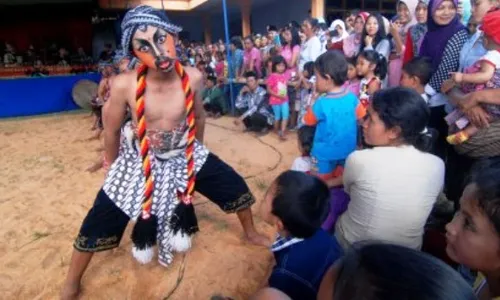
[{"x": 160, "y": 160}]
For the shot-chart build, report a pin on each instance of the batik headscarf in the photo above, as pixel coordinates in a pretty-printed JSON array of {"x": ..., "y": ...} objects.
[
  {"x": 437, "y": 36},
  {"x": 139, "y": 18}
]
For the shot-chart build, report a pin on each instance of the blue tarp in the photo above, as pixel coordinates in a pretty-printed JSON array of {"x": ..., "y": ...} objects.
[{"x": 35, "y": 96}]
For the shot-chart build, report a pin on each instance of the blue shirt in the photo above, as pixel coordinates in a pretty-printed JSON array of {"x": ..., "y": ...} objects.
[
  {"x": 472, "y": 50},
  {"x": 336, "y": 130},
  {"x": 236, "y": 62},
  {"x": 301, "y": 264}
]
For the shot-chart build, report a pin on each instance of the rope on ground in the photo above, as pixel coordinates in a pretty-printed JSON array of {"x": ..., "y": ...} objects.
[
  {"x": 269, "y": 169},
  {"x": 180, "y": 277}
]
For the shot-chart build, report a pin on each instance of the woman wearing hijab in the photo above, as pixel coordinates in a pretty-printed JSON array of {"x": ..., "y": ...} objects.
[
  {"x": 352, "y": 43},
  {"x": 398, "y": 29},
  {"x": 416, "y": 32},
  {"x": 442, "y": 44},
  {"x": 338, "y": 34}
]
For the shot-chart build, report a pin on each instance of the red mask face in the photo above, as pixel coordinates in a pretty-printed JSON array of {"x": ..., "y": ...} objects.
[{"x": 155, "y": 48}]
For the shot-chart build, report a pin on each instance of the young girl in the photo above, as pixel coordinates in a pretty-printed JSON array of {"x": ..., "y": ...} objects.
[
  {"x": 305, "y": 137},
  {"x": 277, "y": 85},
  {"x": 307, "y": 85},
  {"x": 372, "y": 68},
  {"x": 353, "y": 81},
  {"x": 484, "y": 74}
]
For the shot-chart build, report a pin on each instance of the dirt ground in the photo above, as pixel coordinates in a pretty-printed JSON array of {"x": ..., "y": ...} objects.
[{"x": 45, "y": 193}]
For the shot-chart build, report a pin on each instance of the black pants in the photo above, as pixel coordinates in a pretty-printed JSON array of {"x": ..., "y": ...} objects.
[
  {"x": 457, "y": 166},
  {"x": 256, "y": 122},
  {"x": 438, "y": 122},
  {"x": 213, "y": 108},
  {"x": 103, "y": 227}
]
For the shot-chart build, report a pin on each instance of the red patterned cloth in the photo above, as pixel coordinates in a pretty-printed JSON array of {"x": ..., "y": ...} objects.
[{"x": 491, "y": 25}]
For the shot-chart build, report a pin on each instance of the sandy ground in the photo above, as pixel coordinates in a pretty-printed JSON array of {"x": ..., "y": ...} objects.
[{"x": 45, "y": 193}]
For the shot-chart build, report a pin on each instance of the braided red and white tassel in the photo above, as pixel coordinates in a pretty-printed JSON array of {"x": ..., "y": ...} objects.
[{"x": 184, "y": 222}]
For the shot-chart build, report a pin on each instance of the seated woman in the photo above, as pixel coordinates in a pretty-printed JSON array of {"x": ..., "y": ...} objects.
[
  {"x": 394, "y": 185},
  {"x": 383, "y": 271},
  {"x": 474, "y": 234}
]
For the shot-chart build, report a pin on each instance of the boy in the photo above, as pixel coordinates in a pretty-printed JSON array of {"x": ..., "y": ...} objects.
[
  {"x": 297, "y": 204},
  {"x": 214, "y": 101},
  {"x": 335, "y": 116},
  {"x": 416, "y": 74}
]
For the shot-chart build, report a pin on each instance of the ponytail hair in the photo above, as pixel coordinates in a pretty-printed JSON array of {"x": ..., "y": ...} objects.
[
  {"x": 405, "y": 108},
  {"x": 378, "y": 60}
]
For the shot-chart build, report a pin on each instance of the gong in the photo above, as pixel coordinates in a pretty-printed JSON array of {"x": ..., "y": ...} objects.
[{"x": 84, "y": 91}]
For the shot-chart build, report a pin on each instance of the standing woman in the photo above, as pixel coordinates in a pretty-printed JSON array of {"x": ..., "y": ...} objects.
[
  {"x": 442, "y": 44},
  {"x": 406, "y": 19},
  {"x": 416, "y": 32},
  {"x": 374, "y": 36},
  {"x": 291, "y": 52},
  {"x": 236, "y": 57},
  {"x": 252, "y": 61},
  {"x": 338, "y": 34},
  {"x": 353, "y": 42},
  {"x": 311, "y": 48}
]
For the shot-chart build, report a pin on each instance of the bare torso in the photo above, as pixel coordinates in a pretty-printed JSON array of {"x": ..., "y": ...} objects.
[
  {"x": 165, "y": 107},
  {"x": 164, "y": 99}
]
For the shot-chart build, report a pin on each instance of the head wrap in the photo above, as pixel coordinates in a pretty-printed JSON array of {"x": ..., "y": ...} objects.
[
  {"x": 441, "y": 33},
  {"x": 491, "y": 25},
  {"x": 363, "y": 15},
  {"x": 139, "y": 18},
  {"x": 412, "y": 7},
  {"x": 344, "y": 35}
]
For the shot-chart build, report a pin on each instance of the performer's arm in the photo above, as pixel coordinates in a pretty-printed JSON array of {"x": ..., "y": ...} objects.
[
  {"x": 199, "y": 111},
  {"x": 113, "y": 115}
]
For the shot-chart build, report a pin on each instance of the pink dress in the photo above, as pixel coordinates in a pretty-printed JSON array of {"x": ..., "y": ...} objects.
[
  {"x": 278, "y": 84},
  {"x": 287, "y": 54},
  {"x": 253, "y": 55},
  {"x": 353, "y": 86}
]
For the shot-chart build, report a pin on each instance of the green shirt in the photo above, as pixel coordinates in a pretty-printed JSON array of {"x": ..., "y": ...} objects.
[{"x": 215, "y": 96}]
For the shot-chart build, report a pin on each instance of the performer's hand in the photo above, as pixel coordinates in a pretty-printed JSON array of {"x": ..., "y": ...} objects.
[
  {"x": 237, "y": 122},
  {"x": 95, "y": 167}
]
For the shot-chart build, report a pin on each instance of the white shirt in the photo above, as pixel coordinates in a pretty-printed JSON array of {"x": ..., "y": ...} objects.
[
  {"x": 309, "y": 51},
  {"x": 492, "y": 57},
  {"x": 302, "y": 164},
  {"x": 392, "y": 190}
]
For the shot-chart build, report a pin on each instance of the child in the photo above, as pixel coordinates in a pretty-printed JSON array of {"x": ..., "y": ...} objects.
[
  {"x": 334, "y": 115},
  {"x": 352, "y": 76},
  {"x": 306, "y": 138},
  {"x": 416, "y": 74},
  {"x": 485, "y": 73},
  {"x": 338, "y": 198},
  {"x": 372, "y": 68},
  {"x": 296, "y": 204},
  {"x": 277, "y": 85},
  {"x": 307, "y": 84}
]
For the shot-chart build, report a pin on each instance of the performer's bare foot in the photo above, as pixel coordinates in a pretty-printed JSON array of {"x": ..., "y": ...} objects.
[
  {"x": 71, "y": 291},
  {"x": 258, "y": 239}
]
